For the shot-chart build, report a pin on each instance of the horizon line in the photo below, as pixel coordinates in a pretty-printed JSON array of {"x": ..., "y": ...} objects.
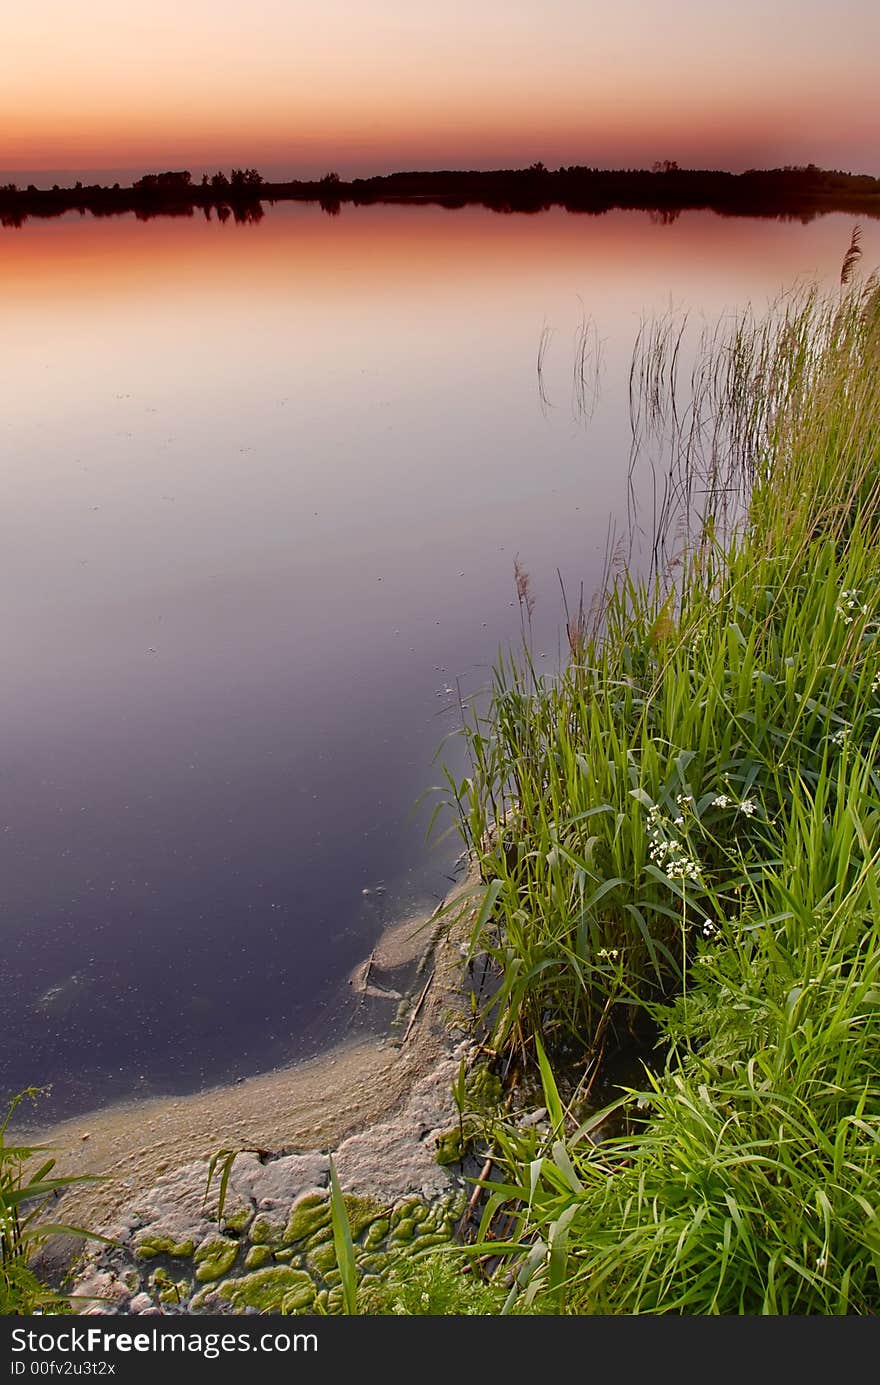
[{"x": 657, "y": 166}]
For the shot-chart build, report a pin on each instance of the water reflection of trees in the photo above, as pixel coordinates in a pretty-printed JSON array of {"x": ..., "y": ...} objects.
[{"x": 664, "y": 192}]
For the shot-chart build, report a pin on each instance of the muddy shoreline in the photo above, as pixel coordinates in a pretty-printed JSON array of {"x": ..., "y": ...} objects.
[{"x": 414, "y": 975}]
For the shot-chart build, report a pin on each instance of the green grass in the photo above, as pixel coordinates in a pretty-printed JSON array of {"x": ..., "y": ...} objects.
[
  {"x": 27, "y": 1187},
  {"x": 430, "y": 1285},
  {"x": 745, "y": 1179},
  {"x": 685, "y": 826}
]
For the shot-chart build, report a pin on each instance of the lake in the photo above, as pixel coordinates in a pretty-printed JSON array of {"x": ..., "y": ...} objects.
[{"x": 263, "y": 487}]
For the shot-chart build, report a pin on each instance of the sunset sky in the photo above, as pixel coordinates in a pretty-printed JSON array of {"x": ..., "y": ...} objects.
[{"x": 298, "y": 87}]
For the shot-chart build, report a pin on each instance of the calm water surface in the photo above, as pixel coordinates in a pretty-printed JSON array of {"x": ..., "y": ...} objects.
[{"x": 262, "y": 491}]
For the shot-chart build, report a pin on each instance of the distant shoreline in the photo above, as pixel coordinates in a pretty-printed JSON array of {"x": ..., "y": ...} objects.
[{"x": 791, "y": 193}]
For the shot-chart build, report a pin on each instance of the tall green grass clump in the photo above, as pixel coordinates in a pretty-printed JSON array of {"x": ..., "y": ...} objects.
[
  {"x": 685, "y": 825},
  {"x": 744, "y": 1179},
  {"x": 27, "y": 1186}
]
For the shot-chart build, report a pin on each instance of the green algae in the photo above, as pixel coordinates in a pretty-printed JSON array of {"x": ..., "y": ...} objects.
[
  {"x": 404, "y": 1230},
  {"x": 376, "y": 1233},
  {"x": 214, "y": 1258},
  {"x": 320, "y": 1238},
  {"x": 453, "y": 1145},
  {"x": 238, "y": 1222},
  {"x": 299, "y": 1300},
  {"x": 262, "y": 1231},
  {"x": 266, "y": 1290},
  {"x": 483, "y": 1090},
  {"x": 310, "y": 1214},
  {"x": 257, "y": 1257},
  {"x": 362, "y": 1212},
  {"x": 432, "y": 1238},
  {"x": 482, "y": 1094},
  {"x": 406, "y": 1208},
  {"x": 294, "y": 1270},
  {"x": 322, "y": 1258},
  {"x": 151, "y": 1246},
  {"x": 169, "y": 1291}
]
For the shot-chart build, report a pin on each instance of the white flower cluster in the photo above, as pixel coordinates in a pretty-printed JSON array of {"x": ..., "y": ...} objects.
[
  {"x": 848, "y": 603},
  {"x": 875, "y": 686},
  {"x": 608, "y": 952},
  {"x": 840, "y": 737},
  {"x": 667, "y": 852},
  {"x": 683, "y": 801},
  {"x": 747, "y": 806}
]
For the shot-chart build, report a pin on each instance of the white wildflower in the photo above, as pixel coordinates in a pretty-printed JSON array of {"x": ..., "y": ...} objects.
[
  {"x": 667, "y": 852},
  {"x": 748, "y": 806},
  {"x": 722, "y": 801},
  {"x": 849, "y": 602},
  {"x": 682, "y": 867}
]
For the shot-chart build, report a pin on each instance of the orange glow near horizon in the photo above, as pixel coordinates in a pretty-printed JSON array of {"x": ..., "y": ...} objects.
[{"x": 494, "y": 82}]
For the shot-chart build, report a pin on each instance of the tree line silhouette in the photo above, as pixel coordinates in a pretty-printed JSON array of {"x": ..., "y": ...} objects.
[{"x": 801, "y": 192}]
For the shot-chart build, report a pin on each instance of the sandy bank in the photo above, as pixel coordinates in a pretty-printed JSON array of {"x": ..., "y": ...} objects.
[{"x": 312, "y": 1105}]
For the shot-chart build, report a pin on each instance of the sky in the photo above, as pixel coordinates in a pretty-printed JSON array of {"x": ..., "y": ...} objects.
[{"x": 299, "y": 87}]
